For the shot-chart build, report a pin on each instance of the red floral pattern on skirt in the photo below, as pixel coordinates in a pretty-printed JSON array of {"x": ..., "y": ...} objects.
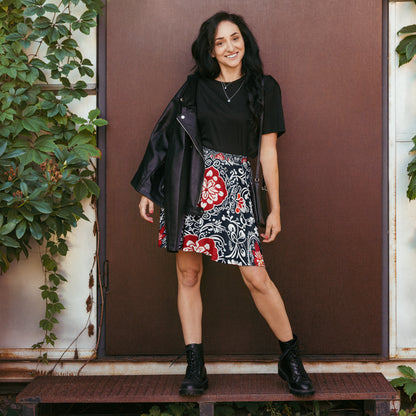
[
  {"x": 204, "y": 245},
  {"x": 240, "y": 203},
  {"x": 213, "y": 189},
  {"x": 258, "y": 257},
  {"x": 162, "y": 234}
]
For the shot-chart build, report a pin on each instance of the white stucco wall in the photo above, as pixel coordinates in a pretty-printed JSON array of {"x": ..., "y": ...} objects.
[
  {"x": 21, "y": 307},
  {"x": 402, "y": 127}
]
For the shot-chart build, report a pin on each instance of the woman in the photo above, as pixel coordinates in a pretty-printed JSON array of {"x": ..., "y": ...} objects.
[{"x": 195, "y": 167}]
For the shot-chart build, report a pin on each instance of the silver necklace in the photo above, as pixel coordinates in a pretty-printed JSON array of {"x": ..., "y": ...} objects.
[{"x": 224, "y": 88}]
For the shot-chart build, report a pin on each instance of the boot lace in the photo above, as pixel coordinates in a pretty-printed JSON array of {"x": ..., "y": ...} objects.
[
  {"x": 177, "y": 358},
  {"x": 293, "y": 356},
  {"x": 192, "y": 370}
]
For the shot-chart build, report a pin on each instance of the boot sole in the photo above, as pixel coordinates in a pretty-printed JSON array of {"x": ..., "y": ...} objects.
[
  {"x": 294, "y": 391},
  {"x": 194, "y": 391}
]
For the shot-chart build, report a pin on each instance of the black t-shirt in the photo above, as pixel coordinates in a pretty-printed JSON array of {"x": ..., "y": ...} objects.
[{"x": 225, "y": 126}]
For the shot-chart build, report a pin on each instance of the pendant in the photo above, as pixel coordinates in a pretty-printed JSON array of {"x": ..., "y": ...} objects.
[{"x": 228, "y": 100}]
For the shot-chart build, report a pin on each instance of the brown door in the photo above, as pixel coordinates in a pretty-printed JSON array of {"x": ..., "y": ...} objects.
[{"x": 326, "y": 262}]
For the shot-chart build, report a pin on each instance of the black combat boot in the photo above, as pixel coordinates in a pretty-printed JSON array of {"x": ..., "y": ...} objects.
[
  {"x": 196, "y": 380},
  {"x": 291, "y": 369}
]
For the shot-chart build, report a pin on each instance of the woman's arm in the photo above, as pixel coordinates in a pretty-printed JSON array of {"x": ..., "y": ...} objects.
[{"x": 268, "y": 160}]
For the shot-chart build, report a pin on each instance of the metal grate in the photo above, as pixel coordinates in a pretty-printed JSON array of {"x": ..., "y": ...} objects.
[{"x": 222, "y": 388}]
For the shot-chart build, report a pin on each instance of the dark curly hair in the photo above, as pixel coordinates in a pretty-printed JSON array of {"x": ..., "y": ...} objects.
[{"x": 207, "y": 67}]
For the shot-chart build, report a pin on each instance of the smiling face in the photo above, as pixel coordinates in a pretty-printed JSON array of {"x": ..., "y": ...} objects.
[{"x": 228, "y": 47}]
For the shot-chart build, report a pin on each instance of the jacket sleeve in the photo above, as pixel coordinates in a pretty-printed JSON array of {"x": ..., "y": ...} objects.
[{"x": 149, "y": 177}]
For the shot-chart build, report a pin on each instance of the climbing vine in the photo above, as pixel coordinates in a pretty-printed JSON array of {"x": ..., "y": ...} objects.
[{"x": 47, "y": 152}]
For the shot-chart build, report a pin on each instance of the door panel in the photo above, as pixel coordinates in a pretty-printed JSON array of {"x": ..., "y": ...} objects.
[{"x": 326, "y": 262}]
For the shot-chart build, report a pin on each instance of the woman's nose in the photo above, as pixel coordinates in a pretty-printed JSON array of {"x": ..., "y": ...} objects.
[{"x": 229, "y": 46}]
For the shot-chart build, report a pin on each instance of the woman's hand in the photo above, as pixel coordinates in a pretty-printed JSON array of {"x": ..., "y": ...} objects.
[
  {"x": 273, "y": 227},
  {"x": 146, "y": 208}
]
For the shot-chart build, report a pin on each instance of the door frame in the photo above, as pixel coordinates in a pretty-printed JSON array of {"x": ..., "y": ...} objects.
[{"x": 102, "y": 264}]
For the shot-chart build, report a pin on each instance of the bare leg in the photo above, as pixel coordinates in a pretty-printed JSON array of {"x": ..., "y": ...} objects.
[
  {"x": 268, "y": 300},
  {"x": 189, "y": 271}
]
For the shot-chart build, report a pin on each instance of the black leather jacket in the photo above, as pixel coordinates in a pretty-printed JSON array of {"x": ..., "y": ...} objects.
[{"x": 172, "y": 170}]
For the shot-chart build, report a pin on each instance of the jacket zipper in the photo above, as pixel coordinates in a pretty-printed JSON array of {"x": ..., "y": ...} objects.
[
  {"x": 196, "y": 147},
  {"x": 192, "y": 139}
]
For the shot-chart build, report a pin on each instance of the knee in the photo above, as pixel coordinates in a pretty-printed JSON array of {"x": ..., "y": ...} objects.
[
  {"x": 189, "y": 277},
  {"x": 257, "y": 280}
]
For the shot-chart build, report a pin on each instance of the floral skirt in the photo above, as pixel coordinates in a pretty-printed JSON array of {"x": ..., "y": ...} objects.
[{"x": 226, "y": 230}]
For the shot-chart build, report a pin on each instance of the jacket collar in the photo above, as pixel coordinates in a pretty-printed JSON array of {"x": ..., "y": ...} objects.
[{"x": 188, "y": 96}]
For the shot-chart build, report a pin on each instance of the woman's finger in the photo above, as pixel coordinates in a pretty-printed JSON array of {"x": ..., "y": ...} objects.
[{"x": 267, "y": 233}]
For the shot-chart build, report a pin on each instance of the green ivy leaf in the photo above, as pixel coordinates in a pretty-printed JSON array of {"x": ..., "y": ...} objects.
[
  {"x": 9, "y": 241},
  {"x": 407, "y": 29},
  {"x": 49, "y": 264},
  {"x": 46, "y": 325},
  {"x": 24, "y": 188},
  {"x": 78, "y": 120},
  {"x": 29, "y": 111},
  {"x": 63, "y": 30},
  {"x": 53, "y": 297},
  {"x": 6, "y": 185},
  {"x": 45, "y": 144},
  {"x": 81, "y": 138},
  {"x": 80, "y": 84},
  {"x": 407, "y": 371},
  {"x": 42, "y": 206},
  {"x": 86, "y": 62},
  {"x": 84, "y": 28},
  {"x": 54, "y": 279},
  {"x": 410, "y": 389},
  {"x": 70, "y": 43},
  {"x": 411, "y": 50},
  {"x": 85, "y": 151},
  {"x": 30, "y": 11},
  {"x": 26, "y": 213},
  {"x": 22, "y": 28},
  {"x": 62, "y": 249},
  {"x": 100, "y": 122},
  {"x": 31, "y": 155},
  {"x": 25, "y": 44},
  {"x": 36, "y": 230},
  {"x": 21, "y": 229},
  {"x": 42, "y": 23},
  {"x": 47, "y": 105},
  {"x": 13, "y": 37},
  {"x": 7, "y": 228},
  {"x": 399, "y": 381},
  {"x": 81, "y": 191},
  {"x": 34, "y": 124},
  {"x": 92, "y": 187},
  {"x": 3, "y": 147},
  {"x": 401, "y": 47},
  {"x": 65, "y": 18},
  {"x": 49, "y": 7},
  {"x": 411, "y": 190},
  {"x": 93, "y": 114}
]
